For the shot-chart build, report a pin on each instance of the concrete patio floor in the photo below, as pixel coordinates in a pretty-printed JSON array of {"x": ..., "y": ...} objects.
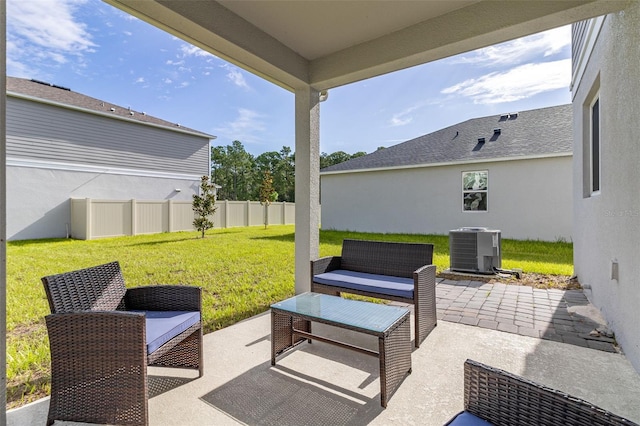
[{"x": 319, "y": 384}]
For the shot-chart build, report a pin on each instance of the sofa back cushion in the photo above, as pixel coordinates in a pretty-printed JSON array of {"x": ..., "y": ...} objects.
[{"x": 385, "y": 258}]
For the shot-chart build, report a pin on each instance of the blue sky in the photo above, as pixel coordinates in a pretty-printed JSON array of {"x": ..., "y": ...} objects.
[{"x": 99, "y": 51}]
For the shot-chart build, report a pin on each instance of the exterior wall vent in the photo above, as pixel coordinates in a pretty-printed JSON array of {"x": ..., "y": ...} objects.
[{"x": 475, "y": 250}]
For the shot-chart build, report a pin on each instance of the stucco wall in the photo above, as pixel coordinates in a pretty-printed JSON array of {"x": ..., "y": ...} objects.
[
  {"x": 607, "y": 225},
  {"x": 528, "y": 199},
  {"x": 38, "y": 203}
]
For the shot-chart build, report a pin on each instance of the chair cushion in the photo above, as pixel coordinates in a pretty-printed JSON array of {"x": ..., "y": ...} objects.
[
  {"x": 465, "y": 418},
  {"x": 383, "y": 284},
  {"x": 162, "y": 326}
]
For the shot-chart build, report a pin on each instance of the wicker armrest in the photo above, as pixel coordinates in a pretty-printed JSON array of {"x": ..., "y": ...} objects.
[
  {"x": 164, "y": 298},
  {"x": 425, "y": 271},
  {"x": 424, "y": 280},
  {"x": 503, "y": 398},
  {"x": 97, "y": 357},
  {"x": 325, "y": 264}
]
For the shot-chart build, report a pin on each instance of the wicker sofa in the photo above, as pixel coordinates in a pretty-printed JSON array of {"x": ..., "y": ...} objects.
[
  {"x": 395, "y": 271},
  {"x": 501, "y": 398},
  {"x": 102, "y": 336}
]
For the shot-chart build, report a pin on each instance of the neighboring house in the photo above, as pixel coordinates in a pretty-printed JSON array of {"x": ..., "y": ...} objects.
[
  {"x": 62, "y": 145},
  {"x": 606, "y": 169},
  {"x": 510, "y": 172}
]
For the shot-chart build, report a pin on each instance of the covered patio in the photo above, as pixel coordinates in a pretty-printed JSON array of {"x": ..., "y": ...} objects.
[
  {"x": 310, "y": 48},
  {"x": 319, "y": 384}
]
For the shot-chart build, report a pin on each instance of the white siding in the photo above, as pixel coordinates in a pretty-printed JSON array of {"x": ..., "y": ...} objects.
[
  {"x": 607, "y": 225},
  {"x": 46, "y": 132},
  {"x": 528, "y": 199},
  {"x": 38, "y": 203}
]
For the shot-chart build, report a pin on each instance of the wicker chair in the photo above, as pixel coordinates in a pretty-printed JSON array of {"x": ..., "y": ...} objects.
[
  {"x": 502, "y": 398},
  {"x": 102, "y": 336}
]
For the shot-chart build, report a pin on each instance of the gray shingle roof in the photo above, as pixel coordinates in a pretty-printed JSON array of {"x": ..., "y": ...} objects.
[
  {"x": 62, "y": 95},
  {"x": 537, "y": 132}
]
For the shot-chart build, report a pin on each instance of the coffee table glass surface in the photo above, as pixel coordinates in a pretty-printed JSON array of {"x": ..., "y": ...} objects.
[{"x": 363, "y": 315}]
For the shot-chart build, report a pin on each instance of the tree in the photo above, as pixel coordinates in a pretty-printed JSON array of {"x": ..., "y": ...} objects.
[
  {"x": 337, "y": 157},
  {"x": 233, "y": 168},
  {"x": 204, "y": 205},
  {"x": 285, "y": 177},
  {"x": 267, "y": 195},
  {"x": 282, "y": 169}
]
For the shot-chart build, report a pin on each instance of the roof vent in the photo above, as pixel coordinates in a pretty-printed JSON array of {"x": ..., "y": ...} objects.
[
  {"x": 513, "y": 115},
  {"x": 504, "y": 117},
  {"x": 113, "y": 110},
  {"x": 131, "y": 113},
  {"x": 497, "y": 131},
  {"x": 40, "y": 82},
  {"x": 144, "y": 113},
  {"x": 481, "y": 140},
  {"x": 61, "y": 87}
]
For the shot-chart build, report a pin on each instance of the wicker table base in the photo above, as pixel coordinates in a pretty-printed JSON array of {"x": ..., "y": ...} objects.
[{"x": 290, "y": 327}]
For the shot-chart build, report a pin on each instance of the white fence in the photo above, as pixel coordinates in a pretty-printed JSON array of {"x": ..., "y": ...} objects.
[{"x": 92, "y": 218}]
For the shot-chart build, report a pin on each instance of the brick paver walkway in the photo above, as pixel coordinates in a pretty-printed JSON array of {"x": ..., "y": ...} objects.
[{"x": 541, "y": 313}]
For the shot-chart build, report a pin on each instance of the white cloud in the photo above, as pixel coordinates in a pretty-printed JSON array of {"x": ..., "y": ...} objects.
[
  {"x": 49, "y": 24},
  {"x": 127, "y": 33},
  {"x": 517, "y": 83},
  {"x": 44, "y": 31},
  {"x": 520, "y": 50},
  {"x": 235, "y": 76},
  {"x": 403, "y": 117},
  {"x": 189, "y": 50},
  {"x": 140, "y": 80},
  {"x": 167, "y": 81},
  {"x": 246, "y": 127},
  {"x": 172, "y": 62}
]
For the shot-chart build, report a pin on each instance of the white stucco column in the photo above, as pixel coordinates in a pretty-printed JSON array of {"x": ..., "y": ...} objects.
[
  {"x": 3, "y": 217},
  {"x": 307, "y": 152}
]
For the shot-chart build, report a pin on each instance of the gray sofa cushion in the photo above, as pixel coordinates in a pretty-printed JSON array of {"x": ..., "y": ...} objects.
[
  {"x": 162, "y": 326},
  {"x": 383, "y": 284}
]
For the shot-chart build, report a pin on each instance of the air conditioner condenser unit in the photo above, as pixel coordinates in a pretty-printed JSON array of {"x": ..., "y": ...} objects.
[{"x": 476, "y": 250}]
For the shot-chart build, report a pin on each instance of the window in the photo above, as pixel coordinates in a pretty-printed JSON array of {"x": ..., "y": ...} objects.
[
  {"x": 595, "y": 146},
  {"x": 474, "y": 191}
]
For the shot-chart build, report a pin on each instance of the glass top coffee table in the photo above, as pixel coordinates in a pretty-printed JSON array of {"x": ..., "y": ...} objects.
[{"x": 291, "y": 325}]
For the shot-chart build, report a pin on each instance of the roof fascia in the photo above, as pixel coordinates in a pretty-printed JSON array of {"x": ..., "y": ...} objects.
[
  {"x": 450, "y": 163},
  {"x": 90, "y": 168}
]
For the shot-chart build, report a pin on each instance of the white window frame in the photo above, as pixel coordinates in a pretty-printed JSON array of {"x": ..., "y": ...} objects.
[
  {"x": 592, "y": 167},
  {"x": 466, "y": 191}
]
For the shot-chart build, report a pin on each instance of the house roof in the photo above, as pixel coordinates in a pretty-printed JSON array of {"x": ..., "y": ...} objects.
[
  {"x": 535, "y": 133},
  {"x": 62, "y": 95}
]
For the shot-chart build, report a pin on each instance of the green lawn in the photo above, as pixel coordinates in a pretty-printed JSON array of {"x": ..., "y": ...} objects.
[{"x": 241, "y": 270}]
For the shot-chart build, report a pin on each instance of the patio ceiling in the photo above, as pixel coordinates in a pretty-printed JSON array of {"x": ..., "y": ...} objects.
[{"x": 325, "y": 44}]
